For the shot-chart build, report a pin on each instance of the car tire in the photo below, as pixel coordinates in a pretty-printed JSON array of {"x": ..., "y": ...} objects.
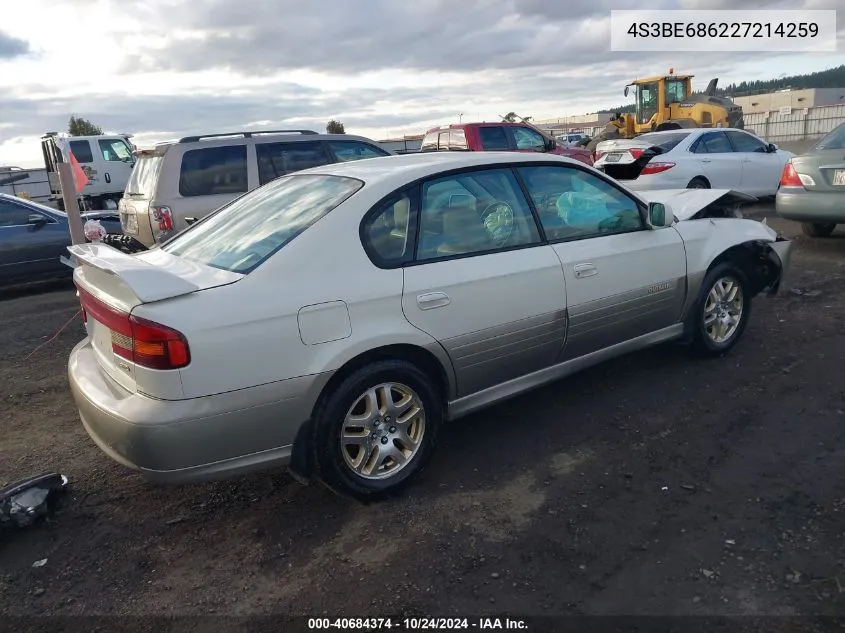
[
  {"x": 698, "y": 183},
  {"x": 340, "y": 466},
  {"x": 817, "y": 230},
  {"x": 717, "y": 301}
]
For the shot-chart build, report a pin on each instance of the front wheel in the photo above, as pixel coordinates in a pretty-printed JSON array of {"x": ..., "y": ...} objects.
[
  {"x": 817, "y": 230},
  {"x": 376, "y": 431},
  {"x": 698, "y": 183},
  {"x": 721, "y": 313}
]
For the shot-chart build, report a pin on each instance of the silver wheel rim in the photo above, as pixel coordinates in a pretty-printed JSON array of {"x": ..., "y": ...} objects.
[
  {"x": 383, "y": 431},
  {"x": 723, "y": 309}
]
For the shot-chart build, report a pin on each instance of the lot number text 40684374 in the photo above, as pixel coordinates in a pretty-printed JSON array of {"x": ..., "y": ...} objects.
[{"x": 417, "y": 624}]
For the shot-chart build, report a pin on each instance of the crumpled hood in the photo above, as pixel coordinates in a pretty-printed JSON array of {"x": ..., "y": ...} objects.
[{"x": 687, "y": 203}]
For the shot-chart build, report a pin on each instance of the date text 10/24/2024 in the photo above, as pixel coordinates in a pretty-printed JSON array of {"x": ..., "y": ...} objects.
[
  {"x": 731, "y": 30},
  {"x": 417, "y": 624}
]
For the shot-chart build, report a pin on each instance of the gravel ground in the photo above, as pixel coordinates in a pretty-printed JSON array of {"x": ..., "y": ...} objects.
[{"x": 650, "y": 485}]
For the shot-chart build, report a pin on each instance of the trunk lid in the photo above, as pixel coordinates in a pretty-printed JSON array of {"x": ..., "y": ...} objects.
[
  {"x": 624, "y": 159},
  {"x": 825, "y": 167},
  {"x": 118, "y": 282}
]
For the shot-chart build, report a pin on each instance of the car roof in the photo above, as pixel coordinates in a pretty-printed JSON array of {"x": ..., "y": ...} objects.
[
  {"x": 236, "y": 138},
  {"x": 409, "y": 167}
]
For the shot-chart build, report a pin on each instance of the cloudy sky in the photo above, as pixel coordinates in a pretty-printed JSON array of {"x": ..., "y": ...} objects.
[{"x": 162, "y": 68}]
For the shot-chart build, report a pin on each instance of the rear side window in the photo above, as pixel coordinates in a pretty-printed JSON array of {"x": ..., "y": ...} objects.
[
  {"x": 493, "y": 139},
  {"x": 834, "y": 140},
  {"x": 713, "y": 143},
  {"x": 244, "y": 234},
  {"x": 82, "y": 151},
  {"x": 664, "y": 141},
  {"x": 278, "y": 159},
  {"x": 213, "y": 170},
  {"x": 354, "y": 150}
]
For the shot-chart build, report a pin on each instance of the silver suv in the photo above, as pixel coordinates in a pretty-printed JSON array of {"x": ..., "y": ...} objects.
[{"x": 177, "y": 183}]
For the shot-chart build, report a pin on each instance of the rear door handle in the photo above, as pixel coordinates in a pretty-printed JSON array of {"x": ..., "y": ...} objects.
[
  {"x": 585, "y": 270},
  {"x": 431, "y": 300},
  {"x": 746, "y": 160},
  {"x": 705, "y": 160}
]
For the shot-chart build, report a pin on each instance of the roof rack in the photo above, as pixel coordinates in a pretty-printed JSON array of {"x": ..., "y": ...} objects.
[{"x": 194, "y": 139}]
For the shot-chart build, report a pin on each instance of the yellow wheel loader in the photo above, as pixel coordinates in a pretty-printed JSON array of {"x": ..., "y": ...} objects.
[{"x": 666, "y": 103}]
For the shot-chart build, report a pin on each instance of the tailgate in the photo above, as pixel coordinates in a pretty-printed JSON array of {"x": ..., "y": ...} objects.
[{"x": 113, "y": 283}]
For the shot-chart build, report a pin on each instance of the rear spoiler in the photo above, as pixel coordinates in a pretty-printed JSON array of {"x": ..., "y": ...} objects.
[{"x": 146, "y": 281}]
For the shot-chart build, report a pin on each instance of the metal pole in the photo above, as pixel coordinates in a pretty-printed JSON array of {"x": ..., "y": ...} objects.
[{"x": 74, "y": 219}]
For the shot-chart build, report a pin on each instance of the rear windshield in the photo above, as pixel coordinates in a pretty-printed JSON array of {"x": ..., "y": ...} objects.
[
  {"x": 242, "y": 235},
  {"x": 834, "y": 140},
  {"x": 144, "y": 176},
  {"x": 663, "y": 141}
]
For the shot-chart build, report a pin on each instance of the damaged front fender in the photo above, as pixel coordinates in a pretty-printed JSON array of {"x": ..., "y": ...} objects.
[{"x": 779, "y": 254}]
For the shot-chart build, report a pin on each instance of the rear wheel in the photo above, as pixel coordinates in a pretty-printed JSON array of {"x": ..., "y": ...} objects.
[
  {"x": 376, "y": 431},
  {"x": 722, "y": 310},
  {"x": 698, "y": 183},
  {"x": 817, "y": 230}
]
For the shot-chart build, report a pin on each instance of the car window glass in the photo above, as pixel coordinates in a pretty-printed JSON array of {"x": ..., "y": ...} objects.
[
  {"x": 115, "y": 150},
  {"x": 574, "y": 204},
  {"x": 12, "y": 214},
  {"x": 213, "y": 170},
  {"x": 474, "y": 212},
  {"x": 386, "y": 232},
  {"x": 354, "y": 150},
  {"x": 457, "y": 140},
  {"x": 493, "y": 139},
  {"x": 429, "y": 142},
  {"x": 833, "y": 140},
  {"x": 82, "y": 151},
  {"x": 528, "y": 139},
  {"x": 278, "y": 159},
  {"x": 664, "y": 140},
  {"x": 713, "y": 143},
  {"x": 743, "y": 142}
]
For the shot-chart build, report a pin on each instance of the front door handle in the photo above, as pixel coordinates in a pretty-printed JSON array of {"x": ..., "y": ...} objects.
[
  {"x": 108, "y": 177},
  {"x": 746, "y": 160},
  {"x": 585, "y": 270},
  {"x": 432, "y": 300},
  {"x": 705, "y": 160}
]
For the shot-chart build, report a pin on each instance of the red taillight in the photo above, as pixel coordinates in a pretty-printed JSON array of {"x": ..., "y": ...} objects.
[
  {"x": 656, "y": 168},
  {"x": 636, "y": 153},
  {"x": 164, "y": 217},
  {"x": 789, "y": 177},
  {"x": 145, "y": 343}
]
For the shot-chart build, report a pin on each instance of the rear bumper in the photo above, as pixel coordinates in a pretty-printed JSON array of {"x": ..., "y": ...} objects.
[
  {"x": 190, "y": 440},
  {"x": 819, "y": 207}
]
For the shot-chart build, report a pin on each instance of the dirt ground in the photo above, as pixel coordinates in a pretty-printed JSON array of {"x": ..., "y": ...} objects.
[{"x": 650, "y": 485}]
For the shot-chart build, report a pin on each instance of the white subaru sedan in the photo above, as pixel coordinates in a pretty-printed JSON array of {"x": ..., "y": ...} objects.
[
  {"x": 701, "y": 158},
  {"x": 334, "y": 319}
]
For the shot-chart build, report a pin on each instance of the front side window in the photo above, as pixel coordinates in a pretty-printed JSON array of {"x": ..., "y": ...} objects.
[
  {"x": 115, "y": 150},
  {"x": 213, "y": 170},
  {"x": 528, "y": 139},
  {"x": 82, "y": 151},
  {"x": 245, "y": 233},
  {"x": 493, "y": 139},
  {"x": 12, "y": 214},
  {"x": 713, "y": 143},
  {"x": 278, "y": 159},
  {"x": 646, "y": 102},
  {"x": 743, "y": 142},
  {"x": 574, "y": 204},
  {"x": 354, "y": 150},
  {"x": 473, "y": 212},
  {"x": 387, "y": 233}
]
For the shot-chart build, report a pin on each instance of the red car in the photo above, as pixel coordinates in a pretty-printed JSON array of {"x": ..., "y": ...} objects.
[{"x": 497, "y": 137}]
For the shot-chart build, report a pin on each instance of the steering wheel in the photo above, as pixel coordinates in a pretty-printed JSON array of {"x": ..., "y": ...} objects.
[{"x": 498, "y": 219}]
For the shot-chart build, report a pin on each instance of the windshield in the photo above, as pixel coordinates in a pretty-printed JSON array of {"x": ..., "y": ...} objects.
[
  {"x": 242, "y": 235},
  {"x": 144, "y": 176},
  {"x": 834, "y": 140},
  {"x": 662, "y": 140}
]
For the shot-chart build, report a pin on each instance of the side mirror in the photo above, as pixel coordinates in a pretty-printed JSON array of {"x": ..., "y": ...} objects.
[
  {"x": 626, "y": 91},
  {"x": 772, "y": 148},
  {"x": 550, "y": 144},
  {"x": 37, "y": 219},
  {"x": 659, "y": 216}
]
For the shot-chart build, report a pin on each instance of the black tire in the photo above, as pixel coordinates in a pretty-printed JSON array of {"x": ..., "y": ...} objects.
[
  {"x": 329, "y": 416},
  {"x": 698, "y": 182},
  {"x": 702, "y": 342},
  {"x": 817, "y": 230}
]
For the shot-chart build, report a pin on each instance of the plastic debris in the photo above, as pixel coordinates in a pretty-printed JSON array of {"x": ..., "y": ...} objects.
[
  {"x": 94, "y": 231},
  {"x": 707, "y": 573},
  {"x": 23, "y": 502},
  {"x": 40, "y": 563}
]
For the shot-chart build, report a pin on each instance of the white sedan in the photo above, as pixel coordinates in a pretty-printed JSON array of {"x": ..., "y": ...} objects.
[
  {"x": 333, "y": 319},
  {"x": 701, "y": 158}
]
